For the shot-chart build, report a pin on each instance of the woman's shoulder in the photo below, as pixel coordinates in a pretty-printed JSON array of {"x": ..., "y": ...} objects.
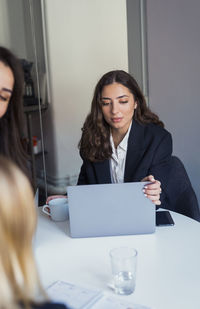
[
  {"x": 155, "y": 130},
  {"x": 149, "y": 127}
]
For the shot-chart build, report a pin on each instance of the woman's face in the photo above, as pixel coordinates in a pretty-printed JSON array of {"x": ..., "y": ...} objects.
[
  {"x": 118, "y": 105},
  {"x": 6, "y": 87}
]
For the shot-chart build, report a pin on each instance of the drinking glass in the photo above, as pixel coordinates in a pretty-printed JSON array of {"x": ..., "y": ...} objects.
[{"x": 123, "y": 264}]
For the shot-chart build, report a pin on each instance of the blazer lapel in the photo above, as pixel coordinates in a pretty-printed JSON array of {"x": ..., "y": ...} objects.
[
  {"x": 135, "y": 150},
  {"x": 102, "y": 170}
]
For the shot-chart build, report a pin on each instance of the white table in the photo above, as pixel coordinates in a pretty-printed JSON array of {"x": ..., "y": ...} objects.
[{"x": 168, "y": 273}]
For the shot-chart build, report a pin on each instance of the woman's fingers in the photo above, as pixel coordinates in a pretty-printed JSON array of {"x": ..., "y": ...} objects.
[
  {"x": 149, "y": 178},
  {"x": 51, "y": 197},
  {"x": 152, "y": 190},
  {"x": 157, "y": 202},
  {"x": 154, "y": 198}
]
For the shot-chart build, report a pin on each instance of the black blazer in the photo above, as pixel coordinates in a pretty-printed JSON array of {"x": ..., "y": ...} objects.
[
  {"x": 180, "y": 194},
  {"x": 148, "y": 153}
]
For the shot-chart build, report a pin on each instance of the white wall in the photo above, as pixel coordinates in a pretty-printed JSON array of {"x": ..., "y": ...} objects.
[
  {"x": 85, "y": 39},
  {"x": 174, "y": 75}
]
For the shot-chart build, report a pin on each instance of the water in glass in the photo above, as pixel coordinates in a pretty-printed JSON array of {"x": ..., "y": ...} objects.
[{"x": 124, "y": 283}]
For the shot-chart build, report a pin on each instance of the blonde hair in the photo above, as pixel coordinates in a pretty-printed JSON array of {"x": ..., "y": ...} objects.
[{"x": 19, "y": 282}]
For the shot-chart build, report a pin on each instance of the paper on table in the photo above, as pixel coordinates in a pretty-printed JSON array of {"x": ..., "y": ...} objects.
[
  {"x": 109, "y": 302},
  {"x": 75, "y": 297}
]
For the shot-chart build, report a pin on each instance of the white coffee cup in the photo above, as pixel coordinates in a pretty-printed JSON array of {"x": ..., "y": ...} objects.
[{"x": 58, "y": 209}]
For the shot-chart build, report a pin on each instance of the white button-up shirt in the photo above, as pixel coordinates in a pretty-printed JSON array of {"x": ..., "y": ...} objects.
[{"x": 118, "y": 159}]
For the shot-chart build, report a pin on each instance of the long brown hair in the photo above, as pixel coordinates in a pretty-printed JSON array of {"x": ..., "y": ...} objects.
[
  {"x": 95, "y": 141},
  {"x": 11, "y": 124}
]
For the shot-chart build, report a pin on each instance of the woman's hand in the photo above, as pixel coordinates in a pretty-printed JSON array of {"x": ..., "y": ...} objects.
[
  {"x": 152, "y": 190},
  {"x": 51, "y": 197}
]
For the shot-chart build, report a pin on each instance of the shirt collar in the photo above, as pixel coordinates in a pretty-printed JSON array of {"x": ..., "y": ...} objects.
[{"x": 124, "y": 143}]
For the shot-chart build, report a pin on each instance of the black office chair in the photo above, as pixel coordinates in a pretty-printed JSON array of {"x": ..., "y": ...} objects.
[{"x": 180, "y": 194}]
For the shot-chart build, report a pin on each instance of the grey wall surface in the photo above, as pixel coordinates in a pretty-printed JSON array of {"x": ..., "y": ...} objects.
[
  {"x": 137, "y": 42},
  {"x": 134, "y": 35},
  {"x": 12, "y": 29},
  {"x": 174, "y": 76}
]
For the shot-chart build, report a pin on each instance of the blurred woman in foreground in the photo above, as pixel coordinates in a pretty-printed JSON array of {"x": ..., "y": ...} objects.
[
  {"x": 11, "y": 109},
  {"x": 19, "y": 282}
]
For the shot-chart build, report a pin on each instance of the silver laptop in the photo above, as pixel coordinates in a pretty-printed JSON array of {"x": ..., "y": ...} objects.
[{"x": 110, "y": 210}]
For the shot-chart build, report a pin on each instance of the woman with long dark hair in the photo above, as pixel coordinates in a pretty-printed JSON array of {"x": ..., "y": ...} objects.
[
  {"x": 122, "y": 140},
  {"x": 11, "y": 109}
]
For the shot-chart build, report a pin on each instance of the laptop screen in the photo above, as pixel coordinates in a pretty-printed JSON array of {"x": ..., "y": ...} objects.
[{"x": 110, "y": 209}]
